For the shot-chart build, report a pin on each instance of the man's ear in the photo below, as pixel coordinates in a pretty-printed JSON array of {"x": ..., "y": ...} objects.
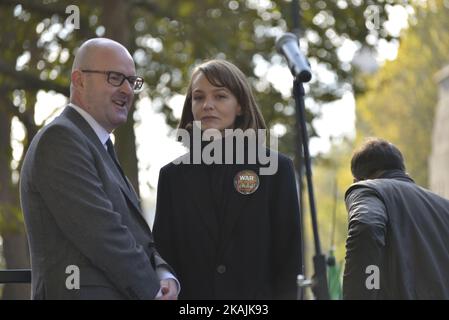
[{"x": 77, "y": 79}]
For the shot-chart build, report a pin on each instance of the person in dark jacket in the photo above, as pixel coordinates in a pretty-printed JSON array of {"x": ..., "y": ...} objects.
[
  {"x": 397, "y": 245},
  {"x": 86, "y": 230},
  {"x": 228, "y": 230}
]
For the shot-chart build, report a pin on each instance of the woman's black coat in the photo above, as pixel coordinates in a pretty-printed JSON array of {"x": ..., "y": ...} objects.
[{"x": 226, "y": 245}]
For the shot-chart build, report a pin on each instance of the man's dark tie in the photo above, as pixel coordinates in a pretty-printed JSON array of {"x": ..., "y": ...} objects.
[{"x": 111, "y": 152}]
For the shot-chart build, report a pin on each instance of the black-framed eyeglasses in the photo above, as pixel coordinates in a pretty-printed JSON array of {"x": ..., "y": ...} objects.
[{"x": 117, "y": 78}]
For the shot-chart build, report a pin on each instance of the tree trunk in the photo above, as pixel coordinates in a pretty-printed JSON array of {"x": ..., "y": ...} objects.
[
  {"x": 117, "y": 24},
  {"x": 15, "y": 248}
]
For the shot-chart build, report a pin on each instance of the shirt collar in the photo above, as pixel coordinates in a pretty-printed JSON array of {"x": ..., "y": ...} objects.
[{"x": 101, "y": 132}]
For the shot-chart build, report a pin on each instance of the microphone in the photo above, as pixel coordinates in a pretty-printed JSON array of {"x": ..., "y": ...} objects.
[{"x": 288, "y": 46}]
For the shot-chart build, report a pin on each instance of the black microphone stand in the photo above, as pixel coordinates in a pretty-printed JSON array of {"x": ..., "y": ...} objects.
[{"x": 319, "y": 279}]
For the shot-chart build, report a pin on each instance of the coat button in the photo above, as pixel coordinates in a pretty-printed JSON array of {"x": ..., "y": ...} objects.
[{"x": 221, "y": 269}]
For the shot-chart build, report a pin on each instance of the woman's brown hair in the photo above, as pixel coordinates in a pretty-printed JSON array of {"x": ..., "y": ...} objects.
[{"x": 221, "y": 73}]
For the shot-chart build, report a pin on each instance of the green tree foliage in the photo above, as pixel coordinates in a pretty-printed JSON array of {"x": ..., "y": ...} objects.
[
  {"x": 168, "y": 37},
  {"x": 400, "y": 100}
]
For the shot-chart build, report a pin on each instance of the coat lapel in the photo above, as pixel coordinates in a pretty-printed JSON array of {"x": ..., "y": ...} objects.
[{"x": 130, "y": 194}]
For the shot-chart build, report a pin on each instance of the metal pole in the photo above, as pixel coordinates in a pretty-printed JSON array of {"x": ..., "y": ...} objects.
[
  {"x": 319, "y": 283},
  {"x": 299, "y": 155}
]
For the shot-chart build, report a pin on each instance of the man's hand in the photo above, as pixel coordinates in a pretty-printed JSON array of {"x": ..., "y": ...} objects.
[{"x": 169, "y": 290}]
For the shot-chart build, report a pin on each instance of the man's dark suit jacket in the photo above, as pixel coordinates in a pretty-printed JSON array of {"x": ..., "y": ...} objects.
[{"x": 79, "y": 211}]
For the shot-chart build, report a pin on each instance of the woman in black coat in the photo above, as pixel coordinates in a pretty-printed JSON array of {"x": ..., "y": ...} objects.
[{"x": 229, "y": 231}]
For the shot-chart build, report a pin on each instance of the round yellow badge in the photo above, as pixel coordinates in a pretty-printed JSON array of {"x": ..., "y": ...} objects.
[{"x": 246, "y": 182}]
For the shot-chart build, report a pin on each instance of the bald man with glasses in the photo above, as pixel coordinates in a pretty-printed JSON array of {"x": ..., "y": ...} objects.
[{"x": 87, "y": 236}]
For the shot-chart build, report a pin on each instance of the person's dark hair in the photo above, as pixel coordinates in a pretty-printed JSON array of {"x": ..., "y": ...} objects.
[
  {"x": 221, "y": 73},
  {"x": 374, "y": 156}
]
